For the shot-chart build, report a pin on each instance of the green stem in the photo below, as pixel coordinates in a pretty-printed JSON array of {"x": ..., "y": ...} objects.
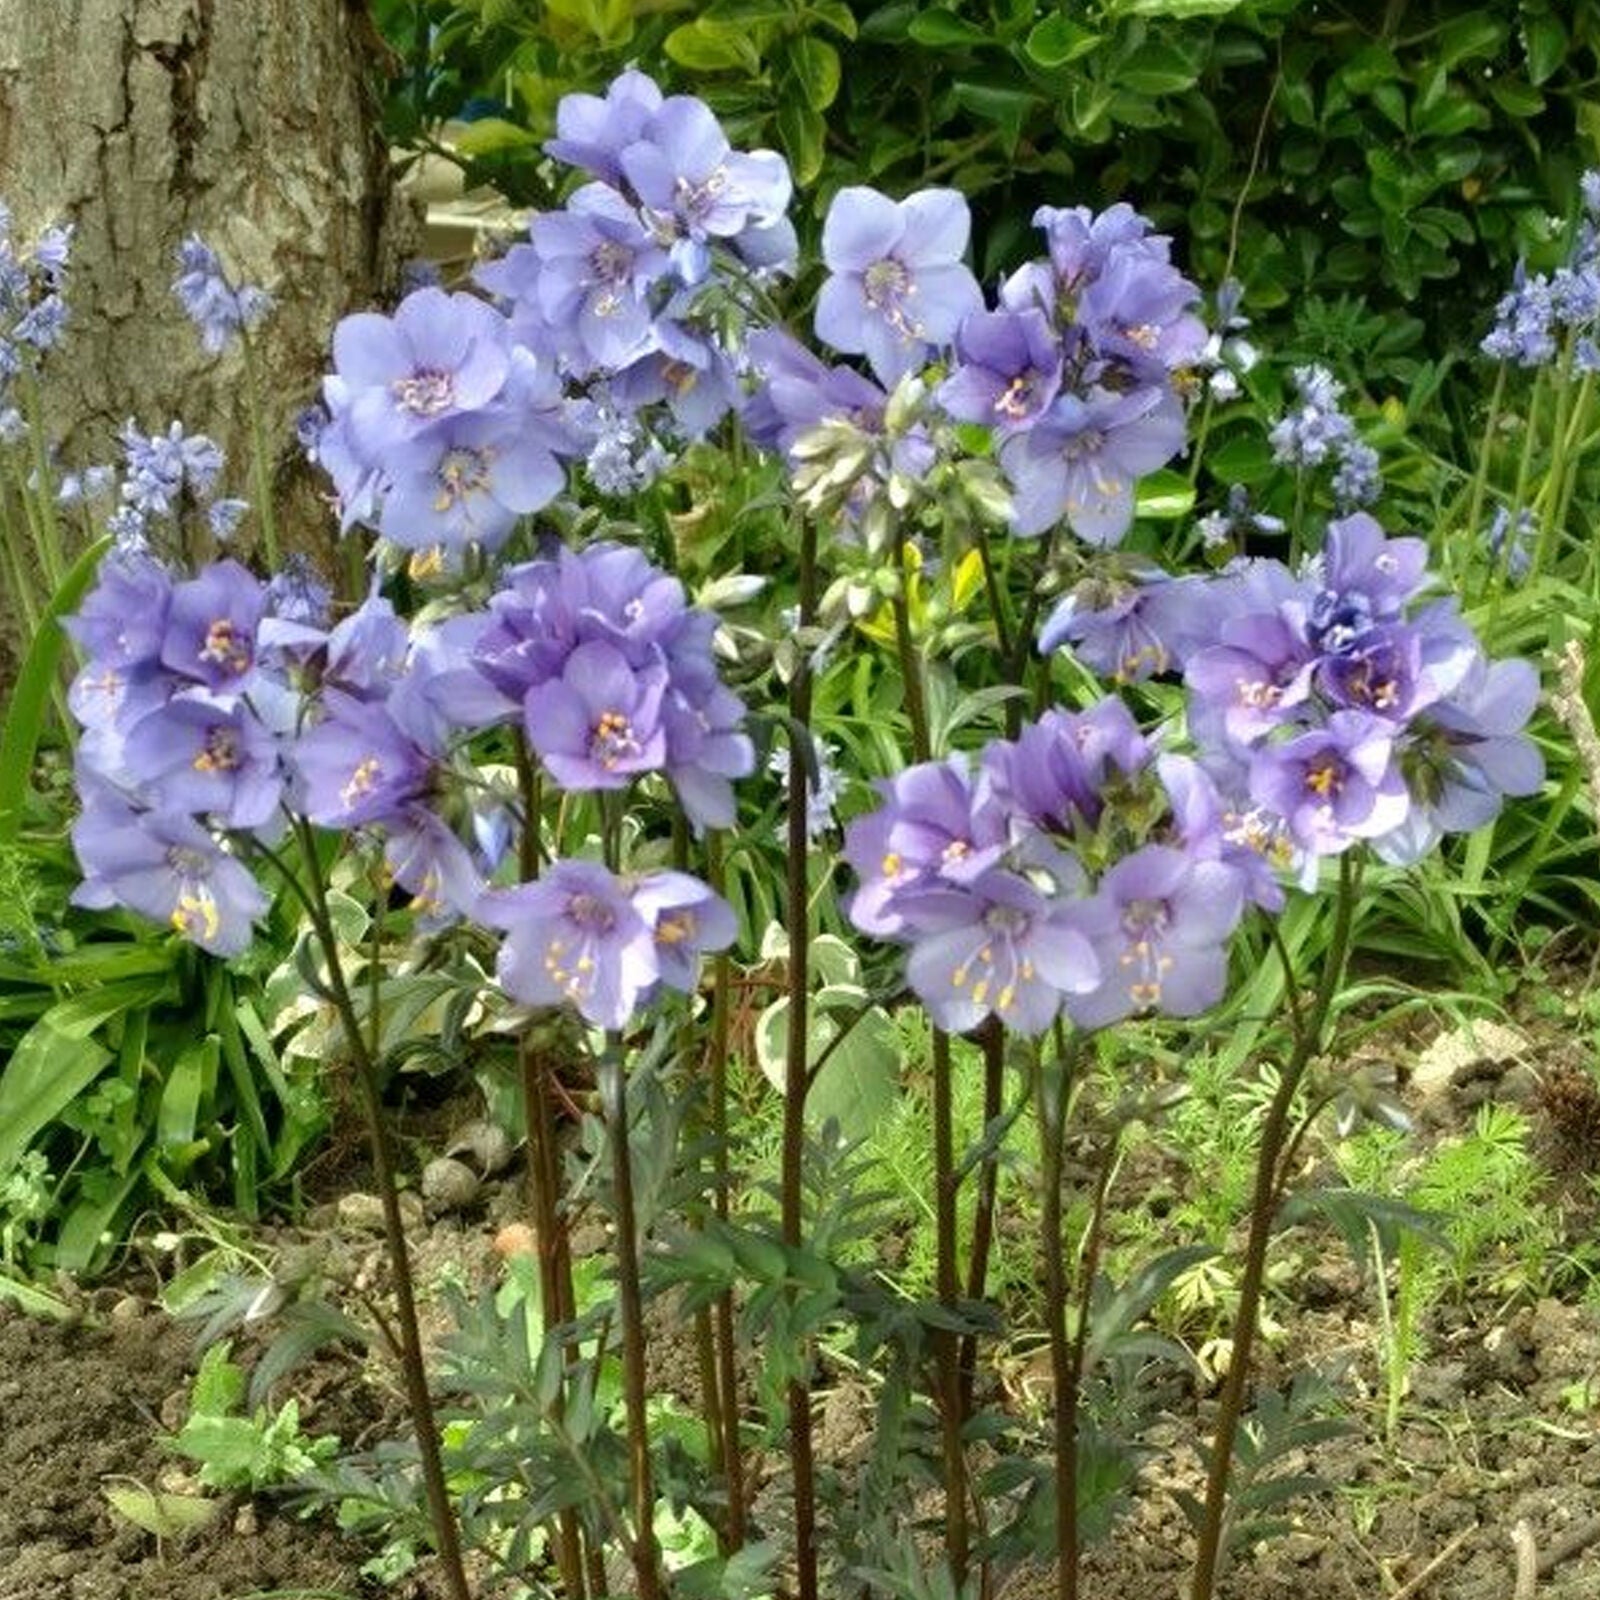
[
  {"x": 1555, "y": 468},
  {"x": 1263, "y": 1209},
  {"x": 260, "y": 457},
  {"x": 798, "y": 918},
  {"x": 644, "y": 1551},
  {"x": 314, "y": 896},
  {"x": 51, "y": 555},
  {"x": 1480, "y": 478}
]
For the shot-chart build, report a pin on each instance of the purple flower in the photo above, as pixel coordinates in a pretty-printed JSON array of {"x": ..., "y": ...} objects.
[
  {"x": 897, "y": 286},
  {"x": 123, "y": 619},
  {"x": 166, "y": 867},
  {"x": 938, "y": 825},
  {"x": 43, "y": 323},
  {"x": 997, "y": 947},
  {"x": 592, "y": 133},
  {"x": 1007, "y": 372},
  {"x": 1127, "y": 630},
  {"x": 685, "y": 919},
  {"x": 1466, "y": 755},
  {"x": 160, "y": 467},
  {"x": 599, "y": 724},
  {"x": 597, "y": 264},
  {"x": 1335, "y": 784},
  {"x": 1083, "y": 458},
  {"x": 210, "y": 301},
  {"x": 575, "y": 938},
  {"x": 1254, "y": 677},
  {"x": 210, "y": 633},
  {"x": 796, "y": 392},
  {"x": 1159, "y": 926},
  {"x": 359, "y": 765},
  {"x": 432, "y": 865},
  {"x": 695, "y": 187},
  {"x": 1081, "y": 243},
  {"x": 481, "y": 473},
  {"x": 439, "y": 356},
  {"x": 1138, "y": 310},
  {"x": 1366, "y": 578},
  {"x": 1524, "y": 323},
  {"x": 205, "y": 753}
]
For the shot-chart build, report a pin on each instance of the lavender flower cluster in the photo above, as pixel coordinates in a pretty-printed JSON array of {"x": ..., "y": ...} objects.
[
  {"x": 1318, "y": 432},
  {"x": 615, "y": 328},
  {"x": 1075, "y": 371},
  {"x": 1542, "y": 311},
  {"x": 1077, "y": 870},
  {"x": 216, "y": 710}
]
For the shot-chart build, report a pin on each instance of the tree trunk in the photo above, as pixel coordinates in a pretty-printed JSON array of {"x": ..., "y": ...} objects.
[{"x": 251, "y": 122}]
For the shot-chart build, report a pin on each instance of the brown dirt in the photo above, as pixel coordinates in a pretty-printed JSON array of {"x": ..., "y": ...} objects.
[{"x": 81, "y": 1406}]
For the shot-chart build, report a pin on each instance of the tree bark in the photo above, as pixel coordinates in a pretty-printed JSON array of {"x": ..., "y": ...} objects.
[{"x": 254, "y": 123}]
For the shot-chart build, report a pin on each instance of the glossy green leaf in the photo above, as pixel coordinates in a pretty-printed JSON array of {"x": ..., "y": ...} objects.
[
  {"x": 30, "y": 695},
  {"x": 1544, "y": 39},
  {"x": 1158, "y": 68},
  {"x": 802, "y": 131},
  {"x": 815, "y": 65},
  {"x": 943, "y": 30},
  {"x": 1468, "y": 38},
  {"x": 834, "y": 14},
  {"x": 705, "y": 45},
  {"x": 47, "y": 1071},
  {"x": 1057, "y": 40},
  {"x": 1164, "y": 496}
]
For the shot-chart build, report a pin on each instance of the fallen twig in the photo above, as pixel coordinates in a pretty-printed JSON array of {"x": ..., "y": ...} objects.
[
  {"x": 1414, "y": 1585},
  {"x": 1527, "y": 1561},
  {"x": 1573, "y": 1542}
]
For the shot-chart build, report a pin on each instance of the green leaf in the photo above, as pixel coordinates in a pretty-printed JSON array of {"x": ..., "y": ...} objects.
[
  {"x": 943, "y": 30},
  {"x": 1467, "y": 38},
  {"x": 815, "y": 65},
  {"x": 1007, "y": 108},
  {"x": 859, "y": 1081},
  {"x": 1178, "y": 9},
  {"x": 1057, "y": 40},
  {"x": 1164, "y": 496},
  {"x": 706, "y": 45},
  {"x": 24, "y": 722},
  {"x": 1517, "y": 99},
  {"x": 834, "y": 14},
  {"x": 166, "y": 1516},
  {"x": 802, "y": 131},
  {"x": 84, "y": 1229},
  {"x": 56, "y": 1060},
  {"x": 1157, "y": 68},
  {"x": 187, "y": 1085},
  {"x": 493, "y": 136},
  {"x": 1544, "y": 39}
]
